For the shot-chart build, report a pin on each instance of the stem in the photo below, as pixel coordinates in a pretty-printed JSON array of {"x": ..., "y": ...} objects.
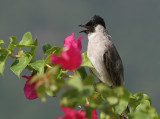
[
  {"x": 16, "y": 56},
  {"x": 124, "y": 115},
  {"x": 87, "y": 101},
  {"x": 50, "y": 67},
  {"x": 68, "y": 76}
]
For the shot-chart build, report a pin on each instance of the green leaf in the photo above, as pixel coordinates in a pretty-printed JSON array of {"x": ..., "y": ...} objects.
[
  {"x": 117, "y": 97},
  {"x": 136, "y": 99},
  {"x": 38, "y": 65},
  {"x": 143, "y": 106},
  {"x": 47, "y": 83},
  {"x": 41, "y": 92},
  {"x": 86, "y": 61},
  {"x": 12, "y": 44},
  {"x": 106, "y": 94},
  {"x": 61, "y": 72},
  {"x": 76, "y": 82},
  {"x": 121, "y": 106},
  {"x": 54, "y": 50},
  {"x": 26, "y": 41},
  {"x": 87, "y": 91},
  {"x": 140, "y": 105},
  {"x": 112, "y": 100},
  {"x": 123, "y": 98},
  {"x": 50, "y": 74},
  {"x": 34, "y": 49},
  {"x": 89, "y": 80},
  {"x": 140, "y": 115},
  {"x": 3, "y": 58},
  {"x": 4, "y": 51},
  {"x": 82, "y": 72},
  {"x": 48, "y": 59},
  {"x": 51, "y": 93},
  {"x": 104, "y": 90},
  {"x": 1, "y": 43},
  {"x": 103, "y": 115},
  {"x": 141, "y": 96},
  {"x": 20, "y": 63},
  {"x": 46, "y": 47},
  {"x": 71, "y": 98}
]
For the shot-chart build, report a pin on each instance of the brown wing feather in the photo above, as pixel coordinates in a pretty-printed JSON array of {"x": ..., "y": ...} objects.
[{"x": 114, "y": 66}]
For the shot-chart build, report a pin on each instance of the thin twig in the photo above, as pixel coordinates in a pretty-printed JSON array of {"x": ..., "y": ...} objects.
[
  {"x": 50, "y": 67},
  {"x": 16, "y": 56},
  {"x": 68, "y": 76}
]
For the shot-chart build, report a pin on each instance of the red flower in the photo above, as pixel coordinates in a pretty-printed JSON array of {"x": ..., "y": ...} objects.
[
  {"x": 29, "y": 89},
  {"x": 72, "y": 114},
  {"x": 94, "y": 114},
  {"x": 70, "y": 58},
  {"x": 70, "y": 40}
]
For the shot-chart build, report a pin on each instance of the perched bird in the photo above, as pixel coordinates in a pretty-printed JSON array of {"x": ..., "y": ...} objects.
[{"x": 103, "y": 54}]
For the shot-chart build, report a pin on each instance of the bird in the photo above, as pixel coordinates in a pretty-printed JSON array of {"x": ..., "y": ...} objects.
[{"x": 101, "y": 51}]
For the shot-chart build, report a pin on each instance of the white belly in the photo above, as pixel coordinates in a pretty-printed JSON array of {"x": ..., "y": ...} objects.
[{"x": 95, "y": 52}]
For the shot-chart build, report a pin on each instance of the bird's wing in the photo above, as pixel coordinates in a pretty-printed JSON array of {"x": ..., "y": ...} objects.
[{"x": 114, "y": 66}]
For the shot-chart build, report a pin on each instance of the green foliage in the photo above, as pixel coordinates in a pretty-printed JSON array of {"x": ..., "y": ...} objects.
[
  {"x": 4, "y": 53},
  {"x": 26, "y": 41},
  {"x": 80, "y": 88},
  {"x": 46, "y": 47},
  {"x": 49, "y": 50},
  {"x": 34, "y": 49},
  {"x": 53, "y": 50},
  {"x": 76, "y": 82},
  {"x": 12, "y": 44},
  {"x": 3, "y": 58},
  {"x": 48, "y": 83},
  {"x": 86, "y": 61},
  {"x": 20, "y": 63},
  {"x": 82, "y": 72},
  {"x": 38, "y": 65},
  {"x": 1, "y": 43}
]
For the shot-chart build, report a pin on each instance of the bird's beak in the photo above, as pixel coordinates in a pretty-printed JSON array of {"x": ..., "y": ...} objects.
[{"x": 85, "y": 26}]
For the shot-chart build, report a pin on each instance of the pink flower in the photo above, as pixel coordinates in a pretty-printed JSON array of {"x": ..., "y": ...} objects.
[
  {"x": 72, "y": 114},
  {"x": 29, "y": 89},
  {"x": 70, "y": 58},
  {"x": 87, "y": 105},
  {"x": 81, "y": 114},
  {"x": 70, "y": 40},
  {"x": 94, "y": 114}
]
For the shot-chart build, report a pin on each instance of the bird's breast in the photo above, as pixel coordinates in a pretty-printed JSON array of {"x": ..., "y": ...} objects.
[{"x": 97, "y": 46}]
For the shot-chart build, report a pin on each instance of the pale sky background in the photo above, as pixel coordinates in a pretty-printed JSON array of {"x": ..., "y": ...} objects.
[{"x": 133, "y": 24}]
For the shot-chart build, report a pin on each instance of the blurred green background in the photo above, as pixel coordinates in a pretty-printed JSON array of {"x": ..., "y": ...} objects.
[{"x": 133, "y": 24}]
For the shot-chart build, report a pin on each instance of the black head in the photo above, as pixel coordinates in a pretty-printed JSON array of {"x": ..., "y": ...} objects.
[{"x": 95, "y": 20}]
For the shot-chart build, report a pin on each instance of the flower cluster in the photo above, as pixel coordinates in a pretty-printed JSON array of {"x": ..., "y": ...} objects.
[{"x": 70, "y": 59}]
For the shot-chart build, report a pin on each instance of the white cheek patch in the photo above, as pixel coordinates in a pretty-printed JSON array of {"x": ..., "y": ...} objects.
[{"x": 99, "y": 29}]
